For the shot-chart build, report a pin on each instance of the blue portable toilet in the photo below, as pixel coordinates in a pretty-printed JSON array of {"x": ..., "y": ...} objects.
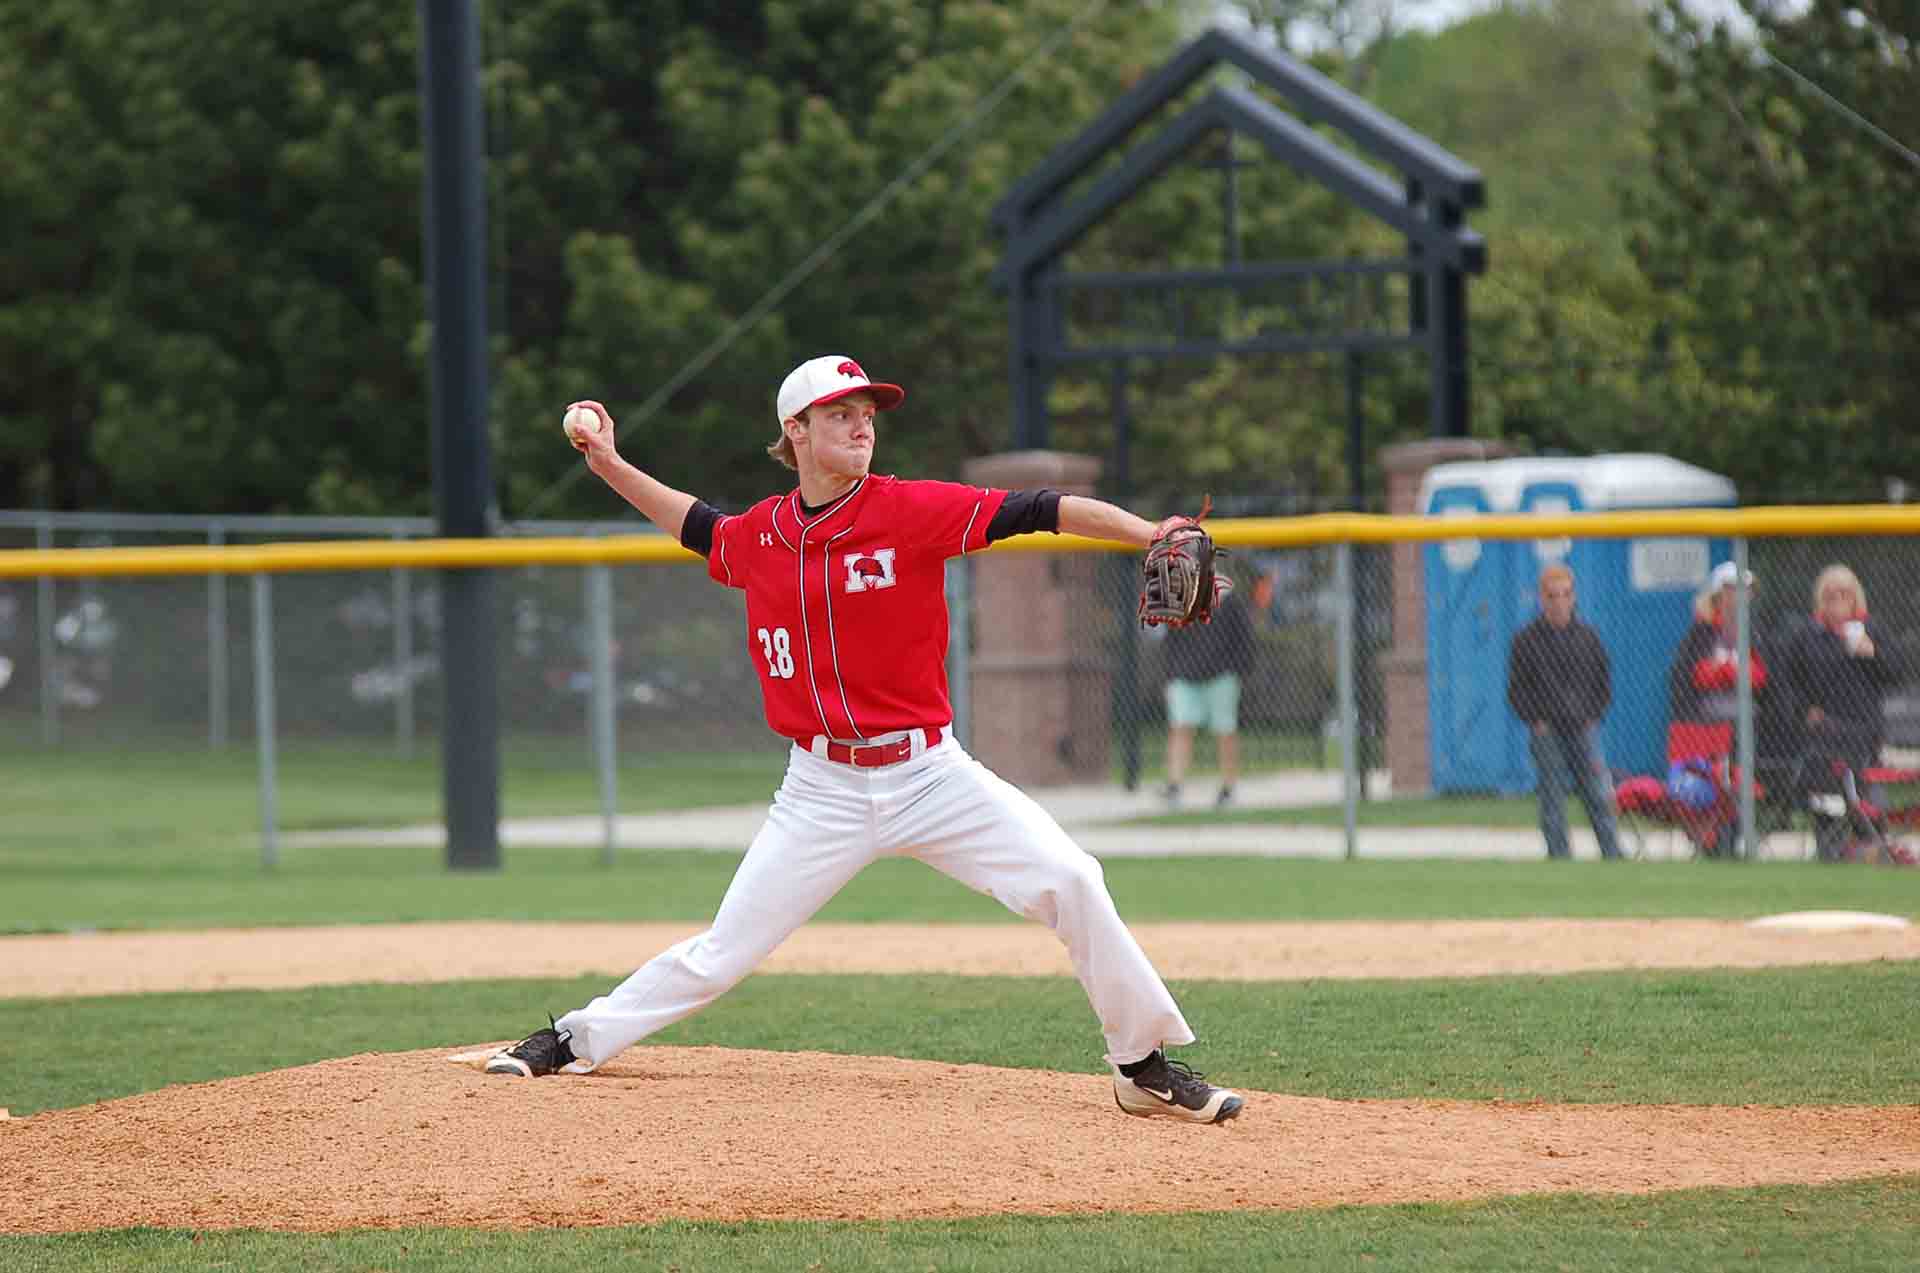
[
  {"x": 1469, "y": 591},
  {"x": 1636, "y": 593}
]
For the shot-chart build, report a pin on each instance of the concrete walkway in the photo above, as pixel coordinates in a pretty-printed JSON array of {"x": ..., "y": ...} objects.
[{"x": 1096, "y": 816}]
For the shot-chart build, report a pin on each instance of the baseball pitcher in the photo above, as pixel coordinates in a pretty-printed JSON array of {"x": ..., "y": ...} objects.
[{"x": 848, "y": 564}]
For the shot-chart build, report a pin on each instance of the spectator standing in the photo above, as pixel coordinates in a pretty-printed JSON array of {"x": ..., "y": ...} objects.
[
  {"x": 1560, "y": 683},
  {"x": 1206, "y": 665}
]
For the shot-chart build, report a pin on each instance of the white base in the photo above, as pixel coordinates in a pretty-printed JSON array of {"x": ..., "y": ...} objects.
[{"x": 1829, "y": 921}]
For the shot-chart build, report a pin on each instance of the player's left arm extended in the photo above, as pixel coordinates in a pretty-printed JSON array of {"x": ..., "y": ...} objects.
[{"x": 1097, "y": 519}]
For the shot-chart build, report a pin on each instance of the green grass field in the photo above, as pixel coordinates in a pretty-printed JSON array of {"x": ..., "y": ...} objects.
[
  {"x": 86, "y": 792},
  {"x": 1865, "y": 1227},
  {"x": 174, "y": 848},
  {"x": 1803, "y": 1036},
  {"x": 173, "y": 886}
]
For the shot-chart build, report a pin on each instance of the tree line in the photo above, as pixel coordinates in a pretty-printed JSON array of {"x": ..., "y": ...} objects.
[{"x": 211, "y": 292}]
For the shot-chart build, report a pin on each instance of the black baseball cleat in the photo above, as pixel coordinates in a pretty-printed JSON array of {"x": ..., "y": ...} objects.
[
  {"x": 1168, "y": 1089},
  {"x": 540, "y": 1053}
]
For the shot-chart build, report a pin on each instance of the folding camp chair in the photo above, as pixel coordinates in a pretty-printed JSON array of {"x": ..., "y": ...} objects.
[
  {"x": 1657, "y": 820},
  {"x": 1851, "y": 825}
]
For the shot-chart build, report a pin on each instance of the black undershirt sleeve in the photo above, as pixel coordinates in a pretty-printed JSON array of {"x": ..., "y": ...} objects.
[
  {"x": 1026, "y": 511},
  {"x": 1022, "y": 512},
  {"x": 696, "y": 532}
]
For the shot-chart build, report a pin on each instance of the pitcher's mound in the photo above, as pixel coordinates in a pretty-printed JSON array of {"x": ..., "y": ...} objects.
[{"x": 406, "y": 1139}]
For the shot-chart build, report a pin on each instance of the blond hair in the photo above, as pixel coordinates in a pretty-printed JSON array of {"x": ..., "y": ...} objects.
[
  {"x": 782, "y": 450},
  {"x": 1838, "y": 574}
]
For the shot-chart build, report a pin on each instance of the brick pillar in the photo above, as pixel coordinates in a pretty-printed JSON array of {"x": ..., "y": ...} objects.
[
  {"x": 1403, "y": 668},
  {"x": 1041, "y": 691}
]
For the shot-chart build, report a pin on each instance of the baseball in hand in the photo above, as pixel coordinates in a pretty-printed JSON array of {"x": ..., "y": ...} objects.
[{"x": 579, "y": 423}]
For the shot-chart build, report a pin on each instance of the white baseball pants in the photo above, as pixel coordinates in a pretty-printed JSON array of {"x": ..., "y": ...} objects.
[{"x": 828, "y": 821}]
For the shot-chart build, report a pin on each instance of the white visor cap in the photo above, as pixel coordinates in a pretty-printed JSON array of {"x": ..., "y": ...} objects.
[{"x": 824, "y": 379}]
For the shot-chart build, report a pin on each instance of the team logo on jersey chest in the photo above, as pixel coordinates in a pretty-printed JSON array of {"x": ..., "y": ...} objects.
[{"x": 869, "y": 570}]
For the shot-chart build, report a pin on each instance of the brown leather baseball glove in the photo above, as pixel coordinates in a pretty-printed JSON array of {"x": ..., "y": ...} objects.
[{"x": 1179, "y": 579}]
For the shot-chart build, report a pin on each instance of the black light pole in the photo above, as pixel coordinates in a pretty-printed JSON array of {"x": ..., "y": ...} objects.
[{"x": 455, "y": 234}]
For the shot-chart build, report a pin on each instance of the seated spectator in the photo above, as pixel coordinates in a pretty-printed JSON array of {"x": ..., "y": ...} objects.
[
  {"x": 1703, "y": 685},
  {"x": 1837, "y": 668}
]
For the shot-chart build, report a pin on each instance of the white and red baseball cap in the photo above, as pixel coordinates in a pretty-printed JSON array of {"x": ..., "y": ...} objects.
[
  {"x": 827, "y": 378},
  {"x": 1726, "y": 574}
]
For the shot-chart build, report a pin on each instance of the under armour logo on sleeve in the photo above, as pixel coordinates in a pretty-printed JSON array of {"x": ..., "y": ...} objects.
[{"x": 766, "y": 539}]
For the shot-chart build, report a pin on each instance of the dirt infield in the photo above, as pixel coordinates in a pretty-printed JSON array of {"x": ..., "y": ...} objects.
[
  {"x": 725, "y": 1134},
  {"x": 720, "y": 1134}
]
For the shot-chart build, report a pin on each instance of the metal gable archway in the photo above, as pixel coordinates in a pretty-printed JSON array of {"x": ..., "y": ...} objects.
[{"x": 1427, "y": 204}]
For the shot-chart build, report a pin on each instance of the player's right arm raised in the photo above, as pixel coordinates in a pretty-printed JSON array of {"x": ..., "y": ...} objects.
[{"x": 662, "y": 505}]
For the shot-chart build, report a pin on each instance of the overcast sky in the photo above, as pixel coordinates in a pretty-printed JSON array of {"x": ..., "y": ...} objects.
[{"x": 1432, "y": 14}]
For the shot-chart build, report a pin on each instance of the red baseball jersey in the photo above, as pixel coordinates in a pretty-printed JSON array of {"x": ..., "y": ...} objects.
[{"x": 847, "y": 609}]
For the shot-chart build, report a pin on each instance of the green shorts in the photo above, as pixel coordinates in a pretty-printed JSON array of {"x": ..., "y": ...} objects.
[{"x": 1214, "y": 704}]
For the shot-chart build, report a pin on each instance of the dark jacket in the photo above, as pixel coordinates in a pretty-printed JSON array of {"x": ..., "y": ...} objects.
[
  {"x": 1701, "y": 685},
  {"x": 1207, "y": 650},
  {"x": 1702, "y": 690},
  {"x": 1559, "y": 675},
  {"x": 1817, "y": 671}
]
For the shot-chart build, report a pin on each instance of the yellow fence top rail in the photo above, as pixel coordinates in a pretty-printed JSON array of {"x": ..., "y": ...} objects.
[
  {"x": 349, "y": 554},
  {"x": 1245, "y": 532},
  {"x": 1368, "y": 528}
]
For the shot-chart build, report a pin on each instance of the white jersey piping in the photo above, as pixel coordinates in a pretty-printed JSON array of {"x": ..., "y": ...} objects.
[
  {"x": 720, "y": 538},
  {"x": 967, "y": 534},
  {"x": 826, "y": 579},
  {"x": 833, "y": 639}
]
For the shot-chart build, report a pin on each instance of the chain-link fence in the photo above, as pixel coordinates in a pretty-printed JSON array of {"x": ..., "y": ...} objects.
[
  {"x": 167, "y": 661},
  {"x": 332, "y": 680},
  {"x": 1602, "y": 681},
  {"x": 1254, "y": 692},
  {"x": 1473, "y": 675},
  {"x": 1834, "y": 689}
]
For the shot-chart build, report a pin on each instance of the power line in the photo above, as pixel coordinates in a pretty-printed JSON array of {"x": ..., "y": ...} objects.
[
  {"x": 827, "y": 247},
  {"x": 1859, "y": 120}
]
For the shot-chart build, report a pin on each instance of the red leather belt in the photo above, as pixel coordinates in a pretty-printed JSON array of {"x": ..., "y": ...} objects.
[{"x": 874, "y": 755}]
